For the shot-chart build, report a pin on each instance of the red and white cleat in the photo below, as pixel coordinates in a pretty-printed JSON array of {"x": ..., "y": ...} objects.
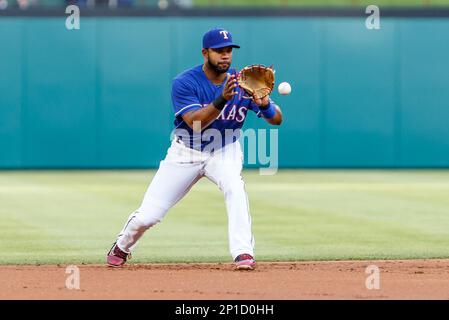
[
  {"x": 117, "y": 257},
  {"x": 245, "y": 262}
]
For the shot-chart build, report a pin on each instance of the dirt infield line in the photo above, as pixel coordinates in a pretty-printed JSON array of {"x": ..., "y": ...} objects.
[{"x": 398, "y": 279}]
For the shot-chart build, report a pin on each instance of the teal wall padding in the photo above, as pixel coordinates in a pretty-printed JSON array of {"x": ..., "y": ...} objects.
[{"x": 99, "y": 97}]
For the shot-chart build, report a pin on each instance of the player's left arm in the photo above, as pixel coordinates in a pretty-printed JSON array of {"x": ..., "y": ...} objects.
[{"x": 271, "y": 112}]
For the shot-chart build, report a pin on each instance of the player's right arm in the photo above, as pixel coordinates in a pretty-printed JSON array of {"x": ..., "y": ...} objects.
[{"x": 198, "y": 118}]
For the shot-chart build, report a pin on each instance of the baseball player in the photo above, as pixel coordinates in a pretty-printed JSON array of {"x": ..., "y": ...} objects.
[{"x": 209, "y": 109}]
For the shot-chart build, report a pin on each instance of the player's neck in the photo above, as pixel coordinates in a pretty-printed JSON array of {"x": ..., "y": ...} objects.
[{"x": 214, "y": 77}]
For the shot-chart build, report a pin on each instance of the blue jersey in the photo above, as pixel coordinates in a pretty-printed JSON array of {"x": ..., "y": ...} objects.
[{"x": 192, "y": 90}]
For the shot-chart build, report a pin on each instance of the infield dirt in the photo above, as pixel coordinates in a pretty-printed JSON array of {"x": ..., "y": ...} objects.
[{"x": 404, "y": 279}]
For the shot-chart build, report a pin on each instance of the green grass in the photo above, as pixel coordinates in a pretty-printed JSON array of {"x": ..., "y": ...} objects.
[{"x": 74, "y": 216}]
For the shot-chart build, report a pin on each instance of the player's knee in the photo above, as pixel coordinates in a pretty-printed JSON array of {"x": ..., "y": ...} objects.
[
  {"x": 149, "y": 216},
  {"x": 146, "y": 221}
]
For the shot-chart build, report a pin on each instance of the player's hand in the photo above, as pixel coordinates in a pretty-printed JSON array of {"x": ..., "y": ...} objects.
[
  {"x": 262, "y": 103},
  {"x": 229, "y": 88}
]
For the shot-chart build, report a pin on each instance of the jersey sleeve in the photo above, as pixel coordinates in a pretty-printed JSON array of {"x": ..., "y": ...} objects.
[
  {"x": 184, "y": 98},
  {"x": 254, "y": 107}
]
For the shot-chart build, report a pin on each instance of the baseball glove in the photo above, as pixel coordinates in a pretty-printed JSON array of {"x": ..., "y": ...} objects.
[{"x": 257, "y": 80}]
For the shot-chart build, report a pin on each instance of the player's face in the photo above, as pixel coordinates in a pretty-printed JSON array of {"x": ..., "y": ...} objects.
[{"x": 219, "y": 59}]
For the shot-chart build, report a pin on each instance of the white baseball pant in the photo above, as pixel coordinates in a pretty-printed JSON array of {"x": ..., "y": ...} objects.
[{"x": 177, "y": 173}]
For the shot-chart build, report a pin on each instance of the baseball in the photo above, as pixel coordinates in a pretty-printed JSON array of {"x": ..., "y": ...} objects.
[{"x": 284, "y": 88}]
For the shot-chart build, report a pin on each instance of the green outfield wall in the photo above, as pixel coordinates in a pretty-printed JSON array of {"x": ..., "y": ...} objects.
[{"x": 99, "y": 97}]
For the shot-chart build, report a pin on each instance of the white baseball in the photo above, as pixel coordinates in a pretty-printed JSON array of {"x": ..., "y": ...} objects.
[{"x": 284, "y": 88}]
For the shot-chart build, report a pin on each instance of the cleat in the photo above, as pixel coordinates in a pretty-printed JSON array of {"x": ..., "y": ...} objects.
[
  {"x": 116, "y": 257},
  {"x": 245, "y": 262}
]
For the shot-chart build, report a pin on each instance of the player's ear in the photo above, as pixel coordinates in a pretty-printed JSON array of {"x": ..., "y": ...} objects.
[{"x": 205, "y": 53}]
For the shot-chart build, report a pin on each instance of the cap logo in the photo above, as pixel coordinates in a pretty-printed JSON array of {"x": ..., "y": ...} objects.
[{"x": 224, "y": 33}]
